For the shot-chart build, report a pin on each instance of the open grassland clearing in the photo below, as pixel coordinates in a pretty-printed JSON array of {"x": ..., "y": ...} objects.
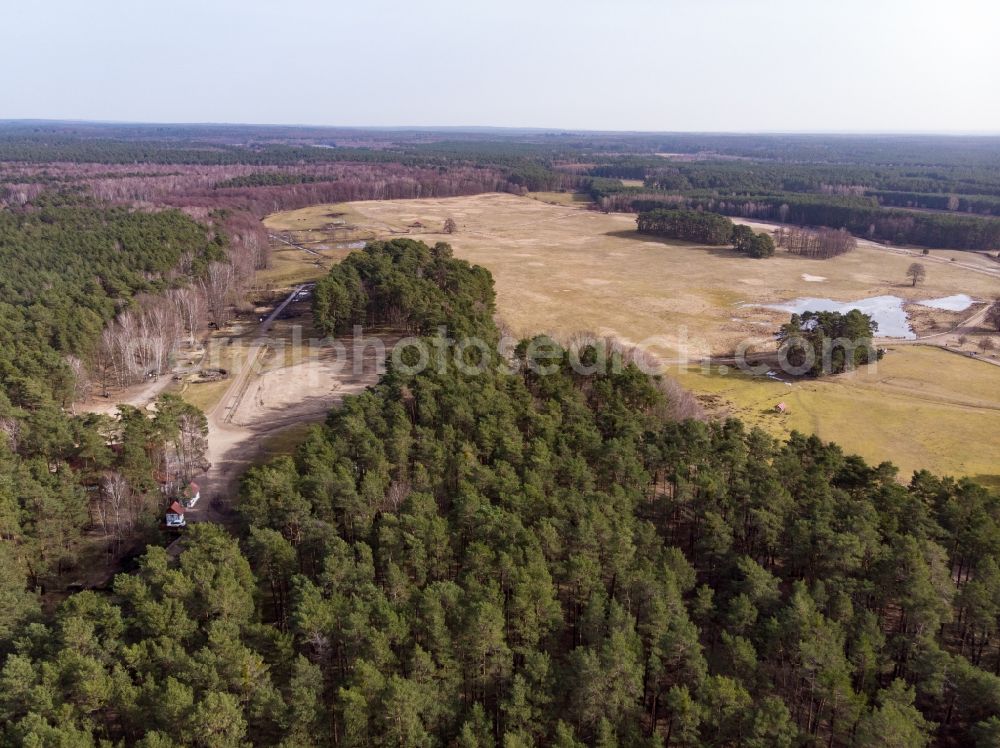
[
  {"x": 564, "y": 269},
  {"x": 920, "y": 407},
  {"x": 306, "y": 242},
  {"x": 560, "y": 269}
]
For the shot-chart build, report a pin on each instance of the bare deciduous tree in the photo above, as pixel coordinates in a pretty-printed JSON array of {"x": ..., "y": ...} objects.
[
  {"x": 191, "y": 445},
  {"x": 137, "y": 343},
  {"x": 916, "y": 273},
  {"x": 10, "y": 428},
  {"x": 118, "y": 508},
  {"x": 158, "y": 331},
  {"x": 218, "y": 289},
  {"x": 821, "y": 243},
  {"x": 190, "y": 305},
  {"x": 81, "y": 378}
]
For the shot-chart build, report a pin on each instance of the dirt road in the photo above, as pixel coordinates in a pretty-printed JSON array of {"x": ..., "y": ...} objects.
[
  {"x": 283, "y": 240},
  {"x": 973, "y": 263},
  {"x": 231, "y": 448},
  {"x": 948, "y": 340},
  {"x": 266, "y": 398},
  {"x": 139, "y": 397}
]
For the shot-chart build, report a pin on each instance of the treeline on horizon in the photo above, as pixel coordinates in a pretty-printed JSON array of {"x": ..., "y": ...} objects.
[
  {"x": 601, "y": 147},
  {"x": 512, "y": 558},
  {"x": 922, "y": 190},
  {"x": 521, "y": 165},
  {"x": 945, "y": 231},
  {"x": 953, "y": 207}
]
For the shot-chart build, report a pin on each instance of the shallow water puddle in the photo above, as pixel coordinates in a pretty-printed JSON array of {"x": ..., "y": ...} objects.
[
  {"x": 887, "y": 311},
  {"x": 957, "y": 303}
]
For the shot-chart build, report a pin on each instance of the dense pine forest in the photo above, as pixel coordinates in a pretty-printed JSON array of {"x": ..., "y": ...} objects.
[
  {"x": 524, "y": 555},
  {"x": 69, "y": 266},
  {"x": 408, "y": 286},
  {"x": 705, "y": 228},
  {"x": 687, "y": 225}
]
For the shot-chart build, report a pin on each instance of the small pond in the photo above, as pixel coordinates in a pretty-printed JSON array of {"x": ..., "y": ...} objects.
[{"x": 887, "y": 311}]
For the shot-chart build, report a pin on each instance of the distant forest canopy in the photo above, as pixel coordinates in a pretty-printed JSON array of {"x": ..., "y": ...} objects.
[
  {"x": 934, "y": 204},
  {"x": 598, "y": 147},
  {"x": 862, "y": 216},
  {"x": 754, "y": 177},
  {"x": 940, "y": 230},
  {"x": 935, "y": 191}
]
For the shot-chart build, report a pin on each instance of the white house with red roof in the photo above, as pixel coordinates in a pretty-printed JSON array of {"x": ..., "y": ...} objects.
[{"x": 175, "y": 515}]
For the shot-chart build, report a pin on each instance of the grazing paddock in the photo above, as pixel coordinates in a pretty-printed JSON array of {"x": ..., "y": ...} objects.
[{"x": 562, "y": 269}]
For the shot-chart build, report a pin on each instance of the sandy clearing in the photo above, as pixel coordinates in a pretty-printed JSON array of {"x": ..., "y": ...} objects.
[
  {"x": 291, "y": 391},
  {"x": 706, "y": 282},
  {"x": 138, "y": 396},
  {"x": 278, "y": 398}
]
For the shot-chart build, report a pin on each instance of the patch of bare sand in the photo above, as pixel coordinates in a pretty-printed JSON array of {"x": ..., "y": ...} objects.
[
  {"x": 309, "y": 389},
  {"x": 138, "y": 396},
  {"x": 274, "y": 400}
]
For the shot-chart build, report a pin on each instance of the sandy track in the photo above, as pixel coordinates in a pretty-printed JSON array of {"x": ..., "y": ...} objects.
[
  {"x": 273, "y": 400},
  {"x": 138, "y": 396},
  {"x": 268, "y": 394}
]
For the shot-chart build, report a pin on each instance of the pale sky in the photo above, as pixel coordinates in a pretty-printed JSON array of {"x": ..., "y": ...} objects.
[{"x": 702, "y": 65}]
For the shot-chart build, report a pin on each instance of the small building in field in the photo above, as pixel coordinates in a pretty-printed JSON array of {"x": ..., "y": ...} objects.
[
  {"x": 190, "y": 494},
  {"x": 175, "y": 515}
]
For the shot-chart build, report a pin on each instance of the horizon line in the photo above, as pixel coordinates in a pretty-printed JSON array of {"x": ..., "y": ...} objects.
[{"x": 498, "y": 128}]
